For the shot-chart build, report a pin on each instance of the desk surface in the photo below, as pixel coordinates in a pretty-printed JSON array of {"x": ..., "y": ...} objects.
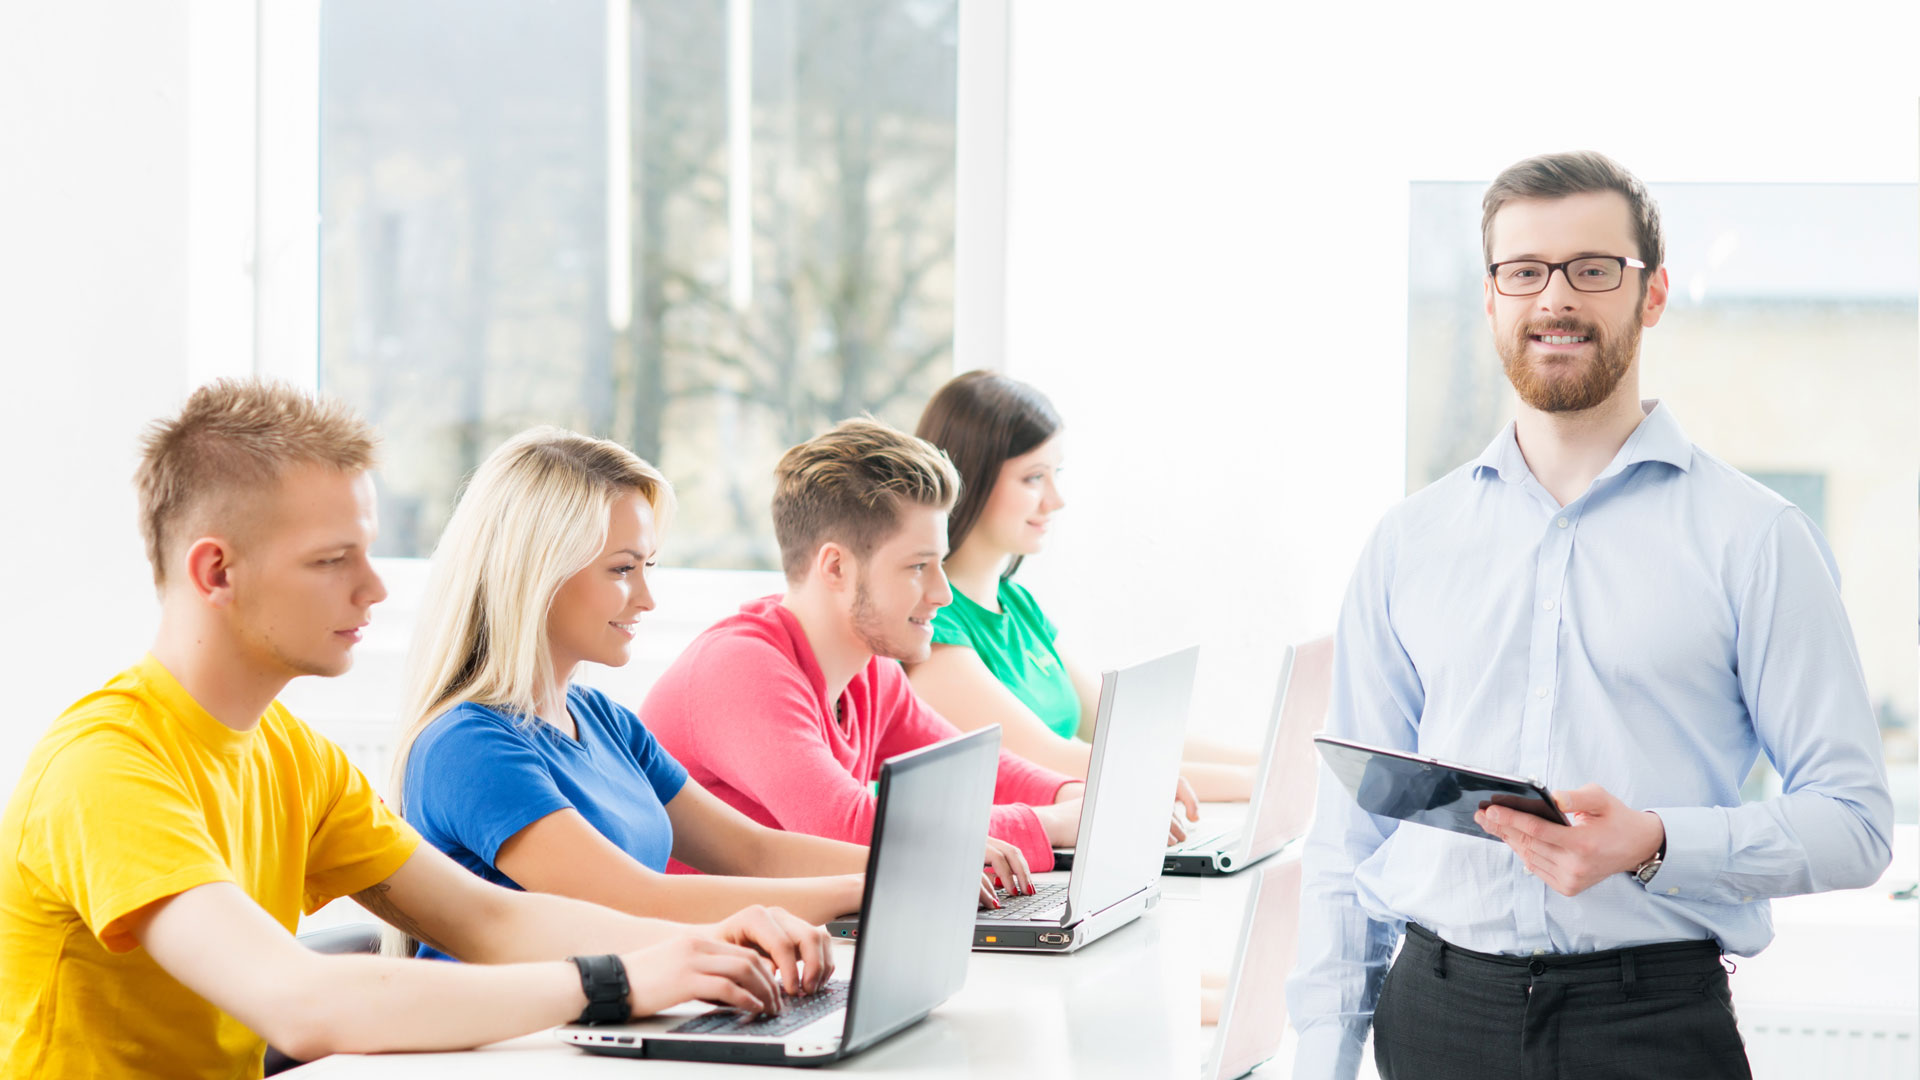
[{"x": 1128, "y": 1005}]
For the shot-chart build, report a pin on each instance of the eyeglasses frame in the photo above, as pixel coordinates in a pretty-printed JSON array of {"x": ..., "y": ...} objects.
[{"x": 1625, "y": 262}]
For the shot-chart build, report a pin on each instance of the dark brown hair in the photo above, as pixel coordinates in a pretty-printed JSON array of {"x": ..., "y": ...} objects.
[
  {"x": 982, "y": 419},
  {"x": 848, "y": 486},
  {"x": 1555, "y": 176},
  {"x": 233, "y": 440}
]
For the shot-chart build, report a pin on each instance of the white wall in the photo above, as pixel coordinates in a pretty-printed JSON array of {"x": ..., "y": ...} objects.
[
  {"x": 1207, "y": 216},
  {"x": 93, "y": 333}
]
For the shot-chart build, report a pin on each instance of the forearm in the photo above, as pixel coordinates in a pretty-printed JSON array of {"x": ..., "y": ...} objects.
[
  {"x": 1069, "y": 757},
  {"x": 1344, "y": 954},
  {"x": 363, "y": 1004},
  {"x": 1798, "y": 843},
  {"x": 780, "y": 854},
  {"x": 532, "y": 926},
  {"x": 706, "y": 898},
  {"x": 1217, "y": 753},
  {"x": 1219, "y": 783}
]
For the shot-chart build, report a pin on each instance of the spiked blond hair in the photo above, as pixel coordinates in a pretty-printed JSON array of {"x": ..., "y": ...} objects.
[{"x": 232, "y": 441}]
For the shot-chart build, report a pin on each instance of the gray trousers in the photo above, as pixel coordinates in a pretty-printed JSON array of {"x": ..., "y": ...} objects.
[{"x": 1656, "y": 1011}]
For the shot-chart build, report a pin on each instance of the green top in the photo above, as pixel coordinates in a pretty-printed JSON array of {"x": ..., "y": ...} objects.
[{"x": 1016, "y": 644}]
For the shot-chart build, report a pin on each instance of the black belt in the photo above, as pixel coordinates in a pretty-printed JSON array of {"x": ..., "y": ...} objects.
[{"x": 1606, "y": 965}]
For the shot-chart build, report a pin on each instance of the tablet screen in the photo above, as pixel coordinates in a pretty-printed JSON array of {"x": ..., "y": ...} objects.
[{"x": 1427, "y": 793}]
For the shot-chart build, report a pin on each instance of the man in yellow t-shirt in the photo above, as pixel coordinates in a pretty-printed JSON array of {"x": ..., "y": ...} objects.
[{"x": 171, "y": 827}]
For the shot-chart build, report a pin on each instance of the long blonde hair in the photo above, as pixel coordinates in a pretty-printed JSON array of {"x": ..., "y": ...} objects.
[{"x": 533, "y": 515}]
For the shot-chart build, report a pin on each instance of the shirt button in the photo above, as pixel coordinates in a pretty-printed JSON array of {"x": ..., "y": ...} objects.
[
  {"x": 1539, "y": 691},
  {"x": 1562, "y": 523},
  {"x": 1547, "y": 604},
  {"x": 1673, "y": 892}
]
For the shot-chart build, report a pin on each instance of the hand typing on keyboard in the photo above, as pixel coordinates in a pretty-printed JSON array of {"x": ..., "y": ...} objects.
[
  {"x": 1007, "y": 866},
  {"x": 801, "y": 1010}
]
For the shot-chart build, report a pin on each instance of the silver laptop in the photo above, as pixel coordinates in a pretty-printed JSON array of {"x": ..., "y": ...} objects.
[
  {"x": 1283, "y": 787},
  {"x": 1253, "y": 1015},
  {"x": 1123, "y": 822},
  {"x": 923, "y": 881}
]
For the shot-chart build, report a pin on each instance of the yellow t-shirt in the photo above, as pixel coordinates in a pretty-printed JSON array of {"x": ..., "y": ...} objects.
[{"x": 136, "y": 794}]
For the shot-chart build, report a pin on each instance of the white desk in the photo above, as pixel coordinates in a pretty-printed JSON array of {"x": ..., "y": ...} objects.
[{"x": 1128, "y": 1005}]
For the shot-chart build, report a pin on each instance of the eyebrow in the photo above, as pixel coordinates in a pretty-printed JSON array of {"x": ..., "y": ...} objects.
[
  {"x": 927, "y": 553},
  {"x": 630, "y": 551},
  {"x": 1542, "y": 258}
]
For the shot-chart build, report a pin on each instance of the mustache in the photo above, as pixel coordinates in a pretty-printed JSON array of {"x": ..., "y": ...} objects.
[{"x": 1561, "y": 326}]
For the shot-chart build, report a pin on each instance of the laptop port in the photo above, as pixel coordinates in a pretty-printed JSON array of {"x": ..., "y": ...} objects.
[
  {"x": 1053, "y": 939},
  {"x": 1226, "y": 862}
]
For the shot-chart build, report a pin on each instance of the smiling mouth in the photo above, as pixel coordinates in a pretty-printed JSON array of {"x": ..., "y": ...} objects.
[
  {"x": 626, "y": 628},
  {"x": 1561, "y": 339},
  {"x": 926, "y": 623}
]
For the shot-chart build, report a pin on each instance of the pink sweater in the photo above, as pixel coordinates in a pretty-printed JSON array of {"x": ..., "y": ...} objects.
[{"x": 745, "y": 709}]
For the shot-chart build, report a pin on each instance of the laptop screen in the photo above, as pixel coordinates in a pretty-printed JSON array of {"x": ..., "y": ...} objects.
[
  {"x": 1136, "y": 763},
  {"x": 1286, "y": 803},
  {"x": 923, "y": 884},
  {"x": 1255, "y": 1015}
]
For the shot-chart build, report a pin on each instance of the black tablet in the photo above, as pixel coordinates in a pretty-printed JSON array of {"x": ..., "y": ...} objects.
[{"x": 1428, "y": 791}]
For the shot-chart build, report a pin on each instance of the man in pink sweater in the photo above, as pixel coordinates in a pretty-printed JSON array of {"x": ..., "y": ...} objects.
[{"x": 787, "y": 709}]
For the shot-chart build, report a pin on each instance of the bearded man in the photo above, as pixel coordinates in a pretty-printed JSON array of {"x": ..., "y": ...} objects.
[{"x": 1599, "y": 603}]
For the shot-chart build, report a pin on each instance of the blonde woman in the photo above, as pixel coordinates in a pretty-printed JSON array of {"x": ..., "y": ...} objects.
[{"x": 532, "y": 781}]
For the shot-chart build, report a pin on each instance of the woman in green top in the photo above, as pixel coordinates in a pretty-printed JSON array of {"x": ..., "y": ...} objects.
[{"x": 995, "y": 659}]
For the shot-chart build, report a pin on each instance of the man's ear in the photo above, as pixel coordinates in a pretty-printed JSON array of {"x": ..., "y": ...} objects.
[
  {"x": 1656, "y": 302},
  {"x": 833, "y": 565},
  {"x": 209, "y": 565}
]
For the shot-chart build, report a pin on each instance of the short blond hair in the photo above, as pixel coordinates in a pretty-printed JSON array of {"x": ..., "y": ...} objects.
[
  {"x": 234, "y": 438},
  {"x": 848, "y": 486}
]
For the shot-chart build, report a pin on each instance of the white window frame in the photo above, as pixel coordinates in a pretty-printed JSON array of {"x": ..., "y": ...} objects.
[{"x": 280, "y": 210}]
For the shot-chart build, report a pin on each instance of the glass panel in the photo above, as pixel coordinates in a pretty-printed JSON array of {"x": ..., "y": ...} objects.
[{"x": 779, "y": 254}]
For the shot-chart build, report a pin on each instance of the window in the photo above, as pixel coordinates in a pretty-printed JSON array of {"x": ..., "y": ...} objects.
[
  {"x": 1786, "y": 350},
  {"x": 707, "y": 229}
]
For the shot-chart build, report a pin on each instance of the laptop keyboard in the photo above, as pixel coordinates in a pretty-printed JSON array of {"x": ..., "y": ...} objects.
[
  {"x": 800, "y": 1012},
  {"x": 1026, "y": 907}
]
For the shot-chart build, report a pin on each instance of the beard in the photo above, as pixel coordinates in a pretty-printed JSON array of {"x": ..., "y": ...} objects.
[
  {"x": 1543, "y": 387},
  {"x": 872, "y": 629}
]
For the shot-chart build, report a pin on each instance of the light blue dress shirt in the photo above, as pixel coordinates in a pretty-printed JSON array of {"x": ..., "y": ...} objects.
[{"x": 1652, "y": 636}]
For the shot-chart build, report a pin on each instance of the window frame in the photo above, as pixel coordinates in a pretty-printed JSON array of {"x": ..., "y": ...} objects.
[{"x": 285, "y": 200}]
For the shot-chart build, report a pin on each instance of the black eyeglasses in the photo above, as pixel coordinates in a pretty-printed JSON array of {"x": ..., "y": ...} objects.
[{"x": 1591, "y": 273}]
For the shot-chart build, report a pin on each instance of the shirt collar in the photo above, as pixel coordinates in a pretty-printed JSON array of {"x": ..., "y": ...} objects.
[
  {"x": 1658, "y": 438},
  {"x": 165, "y": 690}
]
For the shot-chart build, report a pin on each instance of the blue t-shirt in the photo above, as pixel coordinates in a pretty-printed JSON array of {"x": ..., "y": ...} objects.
[{"x": 477, "y": 776}]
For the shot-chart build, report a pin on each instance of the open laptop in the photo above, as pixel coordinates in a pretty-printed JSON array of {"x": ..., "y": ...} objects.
[
  {"x": 923, "y": 882},
  {"x": 1283, "y": 785},
  {"x": 1253, "y": 1015},
  {"x": 1123, "y": 821}
]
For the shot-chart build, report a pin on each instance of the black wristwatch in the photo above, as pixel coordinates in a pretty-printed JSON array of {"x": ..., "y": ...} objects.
[{"x": 604, "y": 978}]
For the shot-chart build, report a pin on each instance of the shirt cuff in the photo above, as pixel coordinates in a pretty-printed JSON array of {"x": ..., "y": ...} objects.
[
  {"x": 1698, "y": 839},
  {"x": 1328, "y": 1052},
  {"x": 1018, "y": 825}
]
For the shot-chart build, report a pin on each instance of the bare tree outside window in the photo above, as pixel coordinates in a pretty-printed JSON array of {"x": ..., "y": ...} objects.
[{"x": 470, "y": 240}]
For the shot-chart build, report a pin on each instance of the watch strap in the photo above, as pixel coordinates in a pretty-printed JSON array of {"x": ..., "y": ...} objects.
[{"x": 604, "y": 980}]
